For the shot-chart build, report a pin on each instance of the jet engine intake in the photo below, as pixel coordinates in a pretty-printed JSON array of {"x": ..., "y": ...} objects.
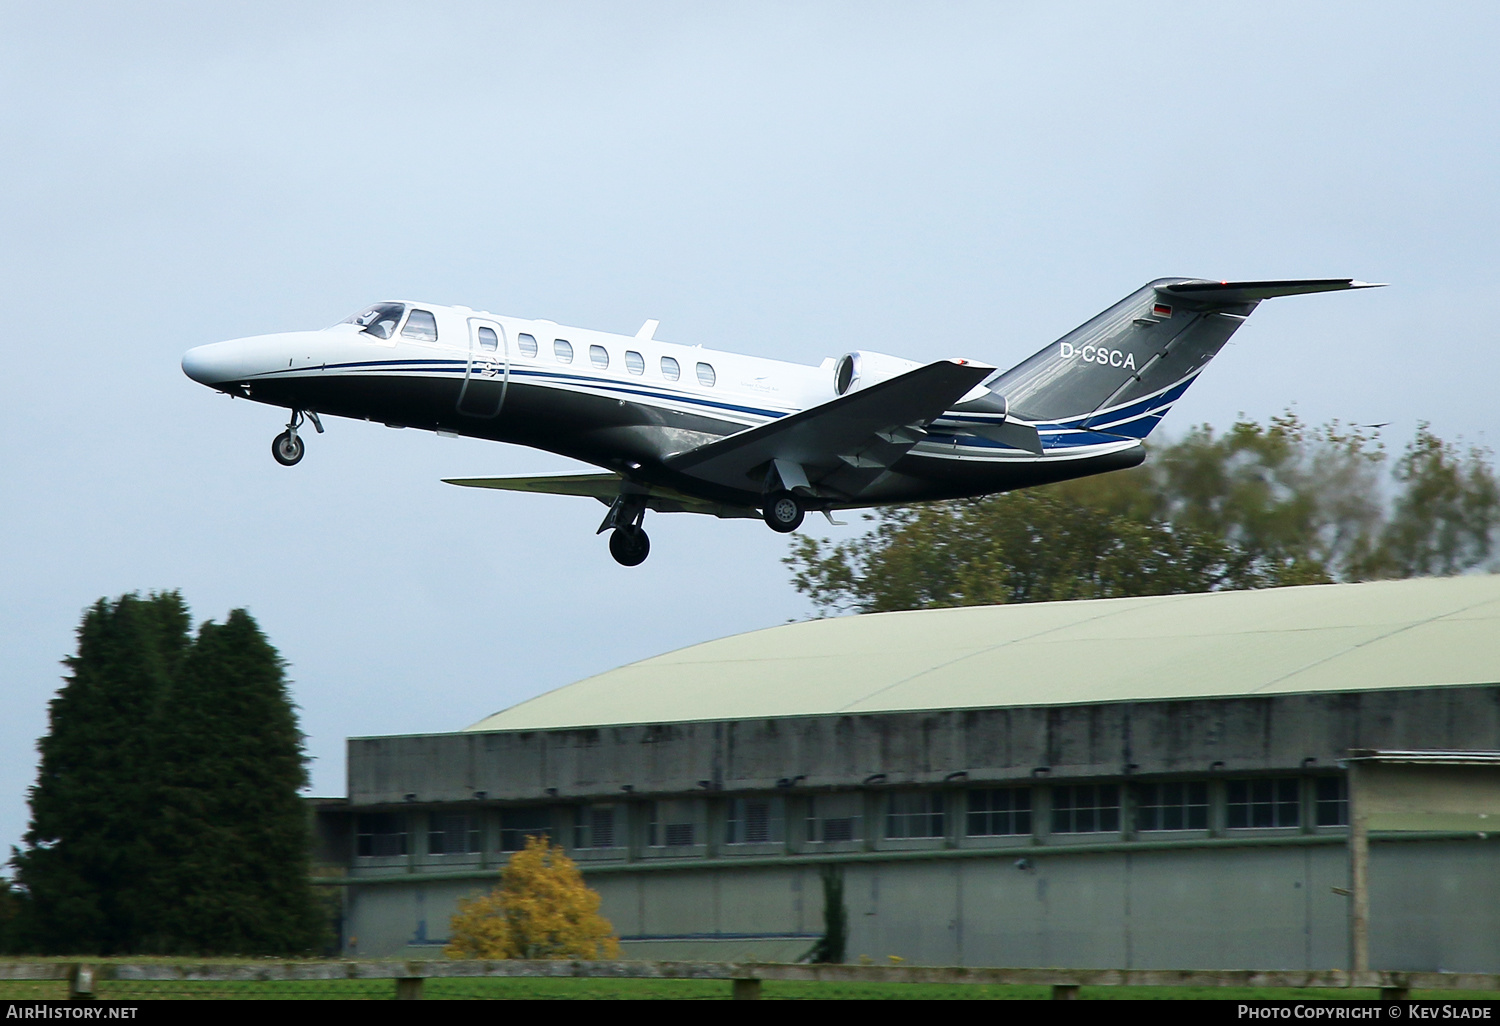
[{"x": 861, "y": 369}]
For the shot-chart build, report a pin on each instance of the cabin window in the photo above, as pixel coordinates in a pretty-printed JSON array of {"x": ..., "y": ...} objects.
[
  {"x": 421, "y": 326},
  {"x": 564, "y": 350},
  {"x": 1174, "y": 806},
  {"x": 599, "y": 357},
  {"x": 635, "y": 363},
  {"x": 527, "y": 344},
  {"x": 669, "y": 369},
  {"x": 379, "y": 320},
  {"x": 488, "y": 339},
  {"x": 999, "y": 812},
  {"x": 706, "y": 376}
]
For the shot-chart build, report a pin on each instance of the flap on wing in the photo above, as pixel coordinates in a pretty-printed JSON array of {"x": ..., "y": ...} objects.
[
  {"x": 1254, "y": 291},
  {"x": 870, "y": 428},
  {"x": 598, "y": 486}
]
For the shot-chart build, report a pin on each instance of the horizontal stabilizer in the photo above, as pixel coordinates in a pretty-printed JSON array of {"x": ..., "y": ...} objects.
[
  {"x": 1254, "y": 291},
  {"x": 869, "y": 429}
]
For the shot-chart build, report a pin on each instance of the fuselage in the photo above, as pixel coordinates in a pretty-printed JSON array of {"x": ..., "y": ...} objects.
[{"x": 624, "y": 403}]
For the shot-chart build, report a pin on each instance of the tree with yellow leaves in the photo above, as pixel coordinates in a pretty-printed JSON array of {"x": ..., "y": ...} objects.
[{"x": 541, "y": 909}]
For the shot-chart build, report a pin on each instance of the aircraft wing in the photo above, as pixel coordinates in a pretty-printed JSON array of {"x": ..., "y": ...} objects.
[
  {"x": 604, "y": 487},
  {"x": 844, "y": 443},
  {"x": 600, "y": 486}
]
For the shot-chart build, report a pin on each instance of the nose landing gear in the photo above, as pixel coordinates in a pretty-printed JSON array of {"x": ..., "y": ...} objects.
[{"x": 287, "y": 448}]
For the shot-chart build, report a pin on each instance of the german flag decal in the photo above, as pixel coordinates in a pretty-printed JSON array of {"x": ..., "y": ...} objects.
[{"x": 1161, "y": 310}]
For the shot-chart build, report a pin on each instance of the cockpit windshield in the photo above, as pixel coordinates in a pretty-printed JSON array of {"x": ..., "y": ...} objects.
[{"x": 379, "y": 320}]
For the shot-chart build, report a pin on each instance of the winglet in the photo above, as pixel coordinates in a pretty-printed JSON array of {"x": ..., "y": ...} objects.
[{"x": 648, "y": 331}]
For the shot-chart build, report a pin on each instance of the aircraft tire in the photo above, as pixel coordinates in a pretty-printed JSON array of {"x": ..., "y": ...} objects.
[
  {"x": 288, "y": 449},
  {"x": 629, "y": 545},
  {"x": 783, "y": 512}
]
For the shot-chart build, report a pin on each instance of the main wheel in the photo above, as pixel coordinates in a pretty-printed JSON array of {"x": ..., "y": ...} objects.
[
  {"x": 783, "y": 512},
  {"x": 629, "y": 545},
  {"x": 288, "y": 449}
]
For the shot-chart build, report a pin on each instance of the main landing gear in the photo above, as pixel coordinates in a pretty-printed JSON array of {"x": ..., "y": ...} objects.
[
  {"x": 627, "y": 542},
  {"x": 287, "y": 447},
  {"x": 783, "y": 512}
]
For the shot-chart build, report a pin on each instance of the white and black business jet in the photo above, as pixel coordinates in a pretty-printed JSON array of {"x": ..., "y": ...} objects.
[{"x": 678, "y": 428}]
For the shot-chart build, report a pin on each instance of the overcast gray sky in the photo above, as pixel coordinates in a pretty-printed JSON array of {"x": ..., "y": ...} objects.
[{"x": 788, "y": 180}]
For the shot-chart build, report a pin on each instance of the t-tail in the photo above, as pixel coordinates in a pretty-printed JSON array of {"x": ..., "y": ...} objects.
[{"x": 1118, "y": 374}]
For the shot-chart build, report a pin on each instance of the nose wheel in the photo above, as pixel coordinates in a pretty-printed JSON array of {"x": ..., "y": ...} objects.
[
  {"x": 629, "y": 545},
  {"x": 287, "y": 448},
  {"x": 783, "y": 512}
]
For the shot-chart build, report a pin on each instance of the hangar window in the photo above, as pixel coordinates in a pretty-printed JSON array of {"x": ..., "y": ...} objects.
[
  {"x": 1086, "y": 809},
  {"x": 1270, "y": 802},
  {"x": 380, "y": 834},
  {"x": 706, "y": 375},
  {"x": 1173, "y": 806},
  {"x": 527, "y": 344},
  {"x": 669, "y": 369},
  {"x": 421, "y": 326},
  {"x": 756, "y": 821},
  {"x": 999, "y": 812},
  {"x": 914, "y": 814},
  {"x": 599, "y": 357},
  {"x": 635, "y": 363},
  {"x": 379, "y": 320},
  {"x": 563, "y": 350},
  {"x": 1333, "y": 801},
  {"x": 599, "y": 826},
  {"x": 673, "y": 824},
  {"x": 452, "y": 834},
  {"x": 488, "y": 339},
  {"x": 518, "y": 824},
  {"x": 835, "y": 817}
]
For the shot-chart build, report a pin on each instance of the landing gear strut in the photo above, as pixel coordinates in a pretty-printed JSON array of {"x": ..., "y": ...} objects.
[
  {"x": 628, "y": 542},
  {"x": 783, "y": 512},
  {"x": 287, "y": 447}
]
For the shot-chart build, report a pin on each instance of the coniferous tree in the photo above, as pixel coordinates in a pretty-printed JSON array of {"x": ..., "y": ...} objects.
[
  {"x": 237, "y": 879},
  {"x": 165, "y": 817},
  {"x": 88, "y": 863}
]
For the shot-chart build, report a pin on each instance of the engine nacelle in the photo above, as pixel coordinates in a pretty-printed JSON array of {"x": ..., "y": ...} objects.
[{"x": 861, "y": 369}]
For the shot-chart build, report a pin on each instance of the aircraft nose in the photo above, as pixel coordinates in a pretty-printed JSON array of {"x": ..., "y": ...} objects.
[{"x": 206, "y": 364}]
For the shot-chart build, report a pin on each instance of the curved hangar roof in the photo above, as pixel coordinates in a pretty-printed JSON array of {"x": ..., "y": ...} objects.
[{"x": 1334, "y": 637}]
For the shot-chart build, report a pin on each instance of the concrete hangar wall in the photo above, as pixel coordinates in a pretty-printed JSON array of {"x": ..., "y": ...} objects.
[{"x": 1142, "y": 783}]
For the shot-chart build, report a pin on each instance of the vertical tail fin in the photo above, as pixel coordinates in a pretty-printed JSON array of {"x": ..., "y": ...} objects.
[{"x": 1120, "y": 372}]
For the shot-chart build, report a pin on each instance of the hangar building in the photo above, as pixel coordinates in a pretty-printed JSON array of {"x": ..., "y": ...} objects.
[{"x": 1127, "y": 783}]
